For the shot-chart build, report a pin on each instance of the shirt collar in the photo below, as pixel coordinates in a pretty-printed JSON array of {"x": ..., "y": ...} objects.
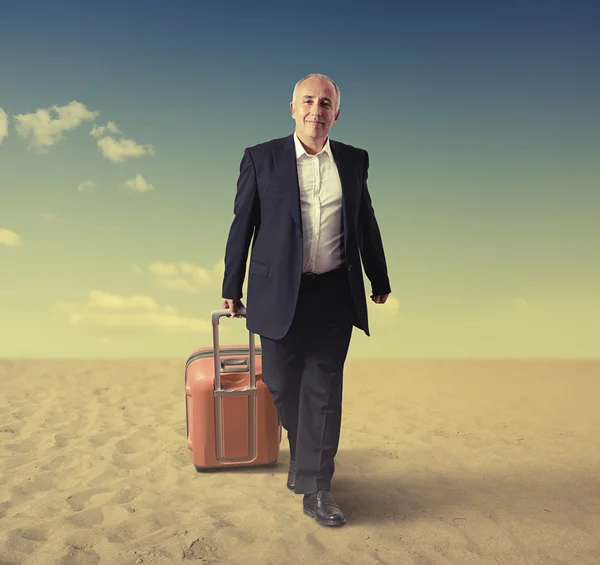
[{"x": 300, "y": 151}]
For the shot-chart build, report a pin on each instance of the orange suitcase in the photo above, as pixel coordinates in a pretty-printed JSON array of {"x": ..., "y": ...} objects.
[{"x": 231, "y": 419}]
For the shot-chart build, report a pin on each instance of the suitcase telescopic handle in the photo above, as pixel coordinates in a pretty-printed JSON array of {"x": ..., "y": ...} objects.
[
  {"x": 219, "y": 392},
  {"x": 216, "y": 316}
]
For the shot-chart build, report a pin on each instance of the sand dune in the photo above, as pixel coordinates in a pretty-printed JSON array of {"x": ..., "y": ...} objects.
[{"x": 445, "y": 462}]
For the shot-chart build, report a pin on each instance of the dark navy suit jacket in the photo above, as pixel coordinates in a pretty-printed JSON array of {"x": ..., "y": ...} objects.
[{"x": 268, "y": 224}]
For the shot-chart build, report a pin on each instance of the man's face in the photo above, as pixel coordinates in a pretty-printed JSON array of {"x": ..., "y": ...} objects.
[{"x": 314, "y": 108}]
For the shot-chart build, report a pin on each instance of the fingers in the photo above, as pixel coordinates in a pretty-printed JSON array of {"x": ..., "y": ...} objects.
[
  {"x": 227, "y": 304},
  {"x": 232, "y": 306}
]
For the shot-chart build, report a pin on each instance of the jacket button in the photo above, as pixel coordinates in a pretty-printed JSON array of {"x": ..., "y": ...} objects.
[{"x": 349, "y": 267}]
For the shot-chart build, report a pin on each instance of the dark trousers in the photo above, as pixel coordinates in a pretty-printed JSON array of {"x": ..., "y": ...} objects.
[{"x": 304, "y": 372}]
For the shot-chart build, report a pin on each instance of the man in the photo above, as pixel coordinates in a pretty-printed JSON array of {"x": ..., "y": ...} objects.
[{"x": 304, "y": 201}]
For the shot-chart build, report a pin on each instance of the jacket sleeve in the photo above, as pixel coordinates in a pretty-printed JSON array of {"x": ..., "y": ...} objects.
[
  {"x": 370, "y": 242},
  {"x": 246, "y": 219}
]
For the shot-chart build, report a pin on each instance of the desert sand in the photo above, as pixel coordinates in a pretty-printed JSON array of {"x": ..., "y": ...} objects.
[{"x": 440, "y": 462}]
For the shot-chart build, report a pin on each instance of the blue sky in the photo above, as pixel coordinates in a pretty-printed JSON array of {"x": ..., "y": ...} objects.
[{"x": 481, "y": 123}]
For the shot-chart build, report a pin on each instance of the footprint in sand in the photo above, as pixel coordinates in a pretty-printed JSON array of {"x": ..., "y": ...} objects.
[
  {"x": 11, "y": 431},
  {"x": 122, "y": 531},
  {"x": 127, "y": 495},
  {"x": 33, "y": 485},
  {"x": 25, "y": 446},
  {"x": 165, "y": 518},
  {"x": 63, "y": 440},
  {"x": 56, "y": 463},
  {"x": 200, "y": 550},
  {"x": 126, "y": 447},
  {"x": 218, "y": 513},
  {"x": 79, "y": 500},
  {"x": 76, "y": 555},
  {"x": 106, "y": 477},
  {"x": 87, "y": 518},
  {"x": 103, "y": 438},
  {"x": 54, "y": 418},
  {"x": 38, "y": 534},
  {"x": 133, "y": 453},
  {"x": 17, "y": 543}
]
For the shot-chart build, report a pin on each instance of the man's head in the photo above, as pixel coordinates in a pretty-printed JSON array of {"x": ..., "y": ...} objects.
[{"x": 315, "y": 107}]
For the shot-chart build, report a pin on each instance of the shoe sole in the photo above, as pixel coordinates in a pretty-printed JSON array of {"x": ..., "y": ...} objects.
[{"x": 313, "y": 515}]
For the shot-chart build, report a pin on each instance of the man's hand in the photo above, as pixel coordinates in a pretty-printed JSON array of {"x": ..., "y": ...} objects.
[
  {"x": 233, "y": 306},
  {"x": 380, "y": 298}
]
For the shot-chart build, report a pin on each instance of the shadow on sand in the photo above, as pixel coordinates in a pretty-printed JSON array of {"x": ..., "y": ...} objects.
[{"x": 372, "y": 489}]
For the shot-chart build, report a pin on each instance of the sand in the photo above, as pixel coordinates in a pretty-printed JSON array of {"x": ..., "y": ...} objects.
[{"x": 441, "y": 462}]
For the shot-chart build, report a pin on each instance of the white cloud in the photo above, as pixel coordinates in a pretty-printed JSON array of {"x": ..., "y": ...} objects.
[
  {"x": 3, "y": 125},
  {"x": 138, "y": 184},
  {"x": 118, "y": 151},
  {"x": 86, "y": 186},
  {"x": 99, "y": 131},
  {"x": 163, "y": 269},
  {"x": 185, "y": 276},
  {"x": 131, "y": 312},
  {"x": 43, "y": 130},
  {"x": 10, "y": 238}
]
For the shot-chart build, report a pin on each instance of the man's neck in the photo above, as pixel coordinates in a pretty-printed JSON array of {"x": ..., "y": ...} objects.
[{"x": 312, "y": 146}]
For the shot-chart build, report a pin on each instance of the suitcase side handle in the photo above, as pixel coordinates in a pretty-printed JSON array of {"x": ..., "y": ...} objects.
[
  {"x": 234, "y": 365},
  {"x": 219, "y": 393}
]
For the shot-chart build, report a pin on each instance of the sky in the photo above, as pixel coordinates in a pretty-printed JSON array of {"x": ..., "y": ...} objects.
[{"x": 122, "y": 127}]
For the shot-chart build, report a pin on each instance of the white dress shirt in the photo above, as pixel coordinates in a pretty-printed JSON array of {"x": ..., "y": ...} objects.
[{"x": 321, "y": 207}]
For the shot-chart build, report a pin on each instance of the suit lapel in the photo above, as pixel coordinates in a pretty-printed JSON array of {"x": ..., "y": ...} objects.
[
  {"x": 287, "y": 171},
  {"x": 345, "y": 167}
]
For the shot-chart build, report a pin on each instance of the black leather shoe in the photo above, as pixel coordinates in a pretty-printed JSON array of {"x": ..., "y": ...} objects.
[
  {"x": 323, "y": 509},
  {"x": 291, "y": 480}
]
